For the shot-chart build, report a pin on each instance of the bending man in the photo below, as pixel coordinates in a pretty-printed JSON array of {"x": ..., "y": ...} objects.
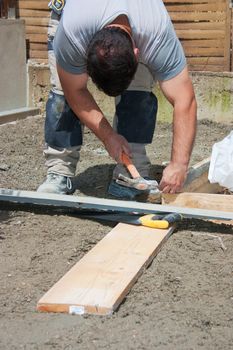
[{"x": 125, "y": 47}]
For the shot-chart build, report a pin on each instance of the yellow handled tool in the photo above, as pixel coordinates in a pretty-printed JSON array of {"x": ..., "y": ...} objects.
[
  {"x": 156, "y": 221},
  {"x": 149, "y": 220}
]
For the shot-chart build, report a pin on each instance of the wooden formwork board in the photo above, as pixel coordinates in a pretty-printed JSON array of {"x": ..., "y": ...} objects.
[
  {"x": 200, "y": 193},
  {"x": 208, "y": 201},
  {"x": 197, "y": 179},
  {"x": 99, "y": 282}
]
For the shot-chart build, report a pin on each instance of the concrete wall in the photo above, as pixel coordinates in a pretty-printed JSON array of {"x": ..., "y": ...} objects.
[
  {"x": 214, "y": 93},
  {"x": 13, "y": 77}
]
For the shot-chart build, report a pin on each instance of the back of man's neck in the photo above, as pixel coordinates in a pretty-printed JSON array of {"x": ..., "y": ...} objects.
[{"x": 123, "y": 23}]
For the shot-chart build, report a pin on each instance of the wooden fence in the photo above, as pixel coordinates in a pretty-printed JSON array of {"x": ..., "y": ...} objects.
[{"x": 203, "y": 26}]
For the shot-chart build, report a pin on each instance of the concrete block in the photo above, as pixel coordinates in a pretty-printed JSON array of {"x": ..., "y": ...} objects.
[{"x": 13, "y": 82}]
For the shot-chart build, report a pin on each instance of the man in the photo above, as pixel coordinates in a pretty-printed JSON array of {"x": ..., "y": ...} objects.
[{"x": 125, "y": 46}]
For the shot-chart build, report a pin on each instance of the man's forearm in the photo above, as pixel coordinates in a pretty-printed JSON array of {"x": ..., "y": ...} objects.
[
  {"x": 85, "y": 107},
  {"x": 184, "y": 131}
]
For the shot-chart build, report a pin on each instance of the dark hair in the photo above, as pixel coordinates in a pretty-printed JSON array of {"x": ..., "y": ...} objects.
[{"x": 111, "y": 62}]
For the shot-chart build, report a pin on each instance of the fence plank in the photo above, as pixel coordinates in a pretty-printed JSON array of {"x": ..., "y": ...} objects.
[
  {"x": 206, "y": 68},
  {"x": 38, "y": 47},
  {"x": 231, "y": 68},
  {"x": 37, "y": 38},
  {"x": 204, "y": 51},
  {"x": 200, "y": 34},
  {"x": 38, "y": 54},
  {"x": 193, "y": 1},
  {"x": 197, "y": 7},
  {"x": 33, "y": 13},
  {"x": 197, "y": 16},
  {"x": 228, "y": 34},
  {"x": 200, "y": 25},
  {"x": 34, "y": 21},
  {"x": 203, "y": 43},
  {"x": 34, "y": 30},
  {"x": 36, "y": 5},
  {"x": 215, "y": 61}
]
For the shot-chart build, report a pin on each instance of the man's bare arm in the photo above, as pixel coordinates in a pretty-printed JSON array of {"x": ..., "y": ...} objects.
[
  {"x": 84, "y": 106},
  {"x": 179, "y": 92}
]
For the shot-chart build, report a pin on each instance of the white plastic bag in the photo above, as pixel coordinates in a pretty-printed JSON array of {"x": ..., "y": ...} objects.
[{"x": 221, "y": 163}]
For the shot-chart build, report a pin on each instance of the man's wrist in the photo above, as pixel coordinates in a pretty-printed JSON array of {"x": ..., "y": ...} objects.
[{"x": 181, "y": 164}]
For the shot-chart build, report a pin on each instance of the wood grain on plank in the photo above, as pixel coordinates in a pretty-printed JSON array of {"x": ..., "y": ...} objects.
[
  {"x": 208, "y": 201},
  {"x": 99, "y": 282}
]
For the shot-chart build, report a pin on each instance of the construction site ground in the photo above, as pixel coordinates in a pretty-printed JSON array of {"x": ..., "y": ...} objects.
[{"x": 183, "y": 301}]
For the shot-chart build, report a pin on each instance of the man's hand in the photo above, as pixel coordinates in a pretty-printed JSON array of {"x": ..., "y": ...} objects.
[
  {"x": 116, "y": 145},
  {"x": 179, "y": 92},
  {"x": 174, "y": 176}
]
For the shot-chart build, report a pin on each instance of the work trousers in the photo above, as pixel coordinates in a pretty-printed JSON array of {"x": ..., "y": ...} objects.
[{"x": 135, "y": 119}]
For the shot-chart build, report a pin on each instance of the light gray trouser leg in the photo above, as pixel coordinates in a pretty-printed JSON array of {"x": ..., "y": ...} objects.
[
  {"x": 143, "y": 81},
  {"x": 62, "y": 161},
  {"x": 59, "y": 160}
]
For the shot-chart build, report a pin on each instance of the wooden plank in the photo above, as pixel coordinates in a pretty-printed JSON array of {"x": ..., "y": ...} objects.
[
  {"x": 203, "y": 51},
  {"x": 35, "y": 30},
  {"x": 76, "y": 202},
  {"x": 217, "y": 61},
  {"x": 194, "y": 1},
  {"x": 36, "y": 5},
  {"x": 38, "y": 54},
  {"x": 211, "y": 7},
  {"x": 197, "y": 179},
  {"x": 99, "y": 282},
  {"x": 219, "y": 202},
  {"x": 200, "y": 25},
  {"x": 197, "y": 16},
  {"x": 38, "y": 46},
  {"x": 228, "y": 35},
  {"x": 33, "y": 13},
  {"x": 36, "y": 21},
  {"x": 192, "y": 182},
  {"x": 206, "y": 68},
  {"x": 231, "y": 68},
  {"x": 37, "y": 38},
  {"x": 200, "y": 34},
  {"x": 210, "y": 43}
]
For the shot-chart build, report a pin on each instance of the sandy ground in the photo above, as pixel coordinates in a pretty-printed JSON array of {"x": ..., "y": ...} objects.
[{"x": 184, "y": 300}]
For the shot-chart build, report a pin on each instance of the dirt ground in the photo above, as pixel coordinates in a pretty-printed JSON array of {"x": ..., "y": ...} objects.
[{"x": 184, "y": 300}]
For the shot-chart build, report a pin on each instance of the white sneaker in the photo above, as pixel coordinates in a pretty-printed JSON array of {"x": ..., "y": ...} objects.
[{"x": 56, "y": 183}]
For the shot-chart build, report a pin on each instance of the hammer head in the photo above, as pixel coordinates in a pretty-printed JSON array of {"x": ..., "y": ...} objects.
[{"x": 139, "y": 183}]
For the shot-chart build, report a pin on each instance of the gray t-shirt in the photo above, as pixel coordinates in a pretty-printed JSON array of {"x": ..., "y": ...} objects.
[{"x": 153, "y": 33}]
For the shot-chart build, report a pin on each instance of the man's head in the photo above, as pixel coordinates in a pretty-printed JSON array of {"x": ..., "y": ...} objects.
[{"x": 112, "y": 60}]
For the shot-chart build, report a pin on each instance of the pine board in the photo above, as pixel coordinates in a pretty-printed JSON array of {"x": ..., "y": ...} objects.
[
  {"x": 99, "y": 282},
  {"x": 208, "y": 201}
]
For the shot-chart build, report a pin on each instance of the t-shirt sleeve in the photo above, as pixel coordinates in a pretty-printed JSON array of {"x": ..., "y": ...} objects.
[
  {"x": 67, "y": 56},
  {"x": 169, "y": 58}
]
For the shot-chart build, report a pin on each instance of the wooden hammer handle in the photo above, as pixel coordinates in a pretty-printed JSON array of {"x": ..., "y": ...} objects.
[{"x": 129, "y": 165}]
